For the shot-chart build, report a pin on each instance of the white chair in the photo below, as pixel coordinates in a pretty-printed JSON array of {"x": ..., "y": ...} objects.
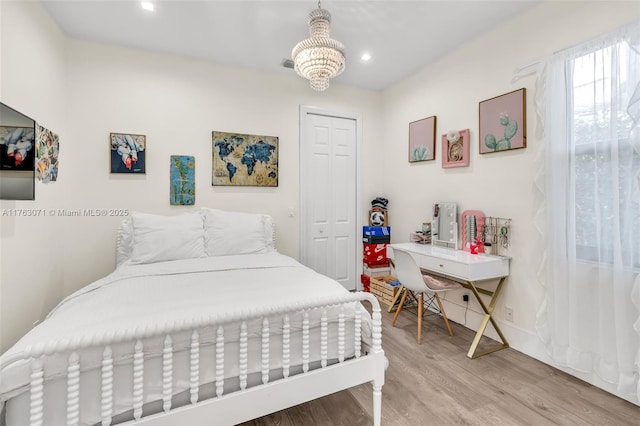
[{"x": 412, "y": 279}]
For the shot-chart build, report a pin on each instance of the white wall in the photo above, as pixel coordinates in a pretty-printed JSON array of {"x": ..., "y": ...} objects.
[
  {"x": 177, "y": 103},
  {"x": 32, "y": 81},
  {"x": 499, "y": 184}
]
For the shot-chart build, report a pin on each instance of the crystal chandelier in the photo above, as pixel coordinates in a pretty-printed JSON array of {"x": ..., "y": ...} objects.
[{"x": 319, "y": 57}]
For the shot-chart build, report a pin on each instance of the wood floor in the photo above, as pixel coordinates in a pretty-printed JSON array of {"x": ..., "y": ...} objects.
[{"x": 436, "y": 384}]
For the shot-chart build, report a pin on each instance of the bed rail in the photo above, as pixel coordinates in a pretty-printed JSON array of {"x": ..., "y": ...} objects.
[{"x": 225, "y": 408}]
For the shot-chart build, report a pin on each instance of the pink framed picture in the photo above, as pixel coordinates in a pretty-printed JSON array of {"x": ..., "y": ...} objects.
[
  {"x": 503, "y": 122},
  {"x": 455, "y": 149},
  {"x": 422, "y": 140}
]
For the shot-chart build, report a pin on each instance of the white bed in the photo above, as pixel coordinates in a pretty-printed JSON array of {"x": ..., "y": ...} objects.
[{"x": 184, "y": 333}]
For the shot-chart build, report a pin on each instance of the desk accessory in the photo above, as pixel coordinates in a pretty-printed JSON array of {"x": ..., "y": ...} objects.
[
  {"x": 472, "y": 222},
  {"x": 444, "y": 228},
  {"x": 496, "y": 233}
]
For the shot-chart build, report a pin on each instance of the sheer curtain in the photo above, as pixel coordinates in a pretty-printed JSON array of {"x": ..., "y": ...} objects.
[{"x": 589, "y": 98}]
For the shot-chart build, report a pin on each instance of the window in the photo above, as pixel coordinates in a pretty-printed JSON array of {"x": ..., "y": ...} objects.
[
  {"x": 606, "y": 154},
  {"x": 590, "y": 105}
]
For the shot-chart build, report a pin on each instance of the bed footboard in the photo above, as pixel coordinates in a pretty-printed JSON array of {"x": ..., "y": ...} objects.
[{"x": 282, "y": 380}]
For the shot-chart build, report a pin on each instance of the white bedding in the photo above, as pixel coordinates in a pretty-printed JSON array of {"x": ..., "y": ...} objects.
[{"x": 137, "y": 296}]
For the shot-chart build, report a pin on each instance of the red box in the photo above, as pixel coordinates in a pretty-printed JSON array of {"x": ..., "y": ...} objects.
[
  {"x": 375, "y": 254},
  {"x": 366, "y": 282}
]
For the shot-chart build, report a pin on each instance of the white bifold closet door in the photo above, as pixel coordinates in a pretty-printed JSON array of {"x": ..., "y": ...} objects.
[{"x": 328, "y": 191}]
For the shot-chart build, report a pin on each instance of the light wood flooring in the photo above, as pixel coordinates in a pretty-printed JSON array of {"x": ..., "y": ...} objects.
[{"x": 436, "y": 384}]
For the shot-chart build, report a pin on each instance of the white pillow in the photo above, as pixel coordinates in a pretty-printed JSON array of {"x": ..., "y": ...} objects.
[
  {"x": 124, "y": 240},
  {"x": 163, "y": 238},
  {"x": 230, "y": 233},
  {"x": 269, "y": 232}
]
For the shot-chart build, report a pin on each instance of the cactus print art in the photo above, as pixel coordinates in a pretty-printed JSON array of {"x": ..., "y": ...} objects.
[
  {"x": 502, "y": 122},
  {"x": 422, "y": 140}
]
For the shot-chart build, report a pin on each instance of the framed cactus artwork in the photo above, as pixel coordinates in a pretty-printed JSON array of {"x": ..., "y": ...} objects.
[
  {"x": 503, "y": 124},
  {"x": 422, "y": 140}
]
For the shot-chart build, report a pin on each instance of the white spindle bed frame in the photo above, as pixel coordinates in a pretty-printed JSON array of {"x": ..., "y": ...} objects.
[{"x": 222, "y": 409}]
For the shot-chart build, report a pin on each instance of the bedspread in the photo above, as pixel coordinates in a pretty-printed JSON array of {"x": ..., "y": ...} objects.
[{"x": 142, "y": 296}]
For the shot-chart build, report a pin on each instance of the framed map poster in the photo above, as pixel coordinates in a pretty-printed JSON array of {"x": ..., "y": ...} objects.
[{"x": 244, "y": 160}]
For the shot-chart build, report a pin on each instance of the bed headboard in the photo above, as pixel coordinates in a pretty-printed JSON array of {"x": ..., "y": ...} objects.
[{"x": 124, "y": 237}]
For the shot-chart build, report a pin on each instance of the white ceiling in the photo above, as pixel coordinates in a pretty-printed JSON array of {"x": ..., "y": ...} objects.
[{"x": 401, "y": 36}]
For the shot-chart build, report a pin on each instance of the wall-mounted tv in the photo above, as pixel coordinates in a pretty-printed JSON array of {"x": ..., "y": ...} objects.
[{"x": 17, "y": 155}]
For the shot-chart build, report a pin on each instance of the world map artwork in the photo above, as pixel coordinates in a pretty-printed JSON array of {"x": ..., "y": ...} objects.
[{"x": 244, "y": 160}]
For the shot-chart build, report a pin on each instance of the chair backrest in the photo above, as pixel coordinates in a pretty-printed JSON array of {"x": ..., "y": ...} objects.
[{"x": 408, "y": 272}]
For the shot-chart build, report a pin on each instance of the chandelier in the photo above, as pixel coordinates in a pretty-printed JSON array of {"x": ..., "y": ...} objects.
[{"x": 319, "y": 57}]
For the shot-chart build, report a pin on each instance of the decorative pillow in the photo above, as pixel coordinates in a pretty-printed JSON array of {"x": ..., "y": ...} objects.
[
  {"x": 163, "y": 238},
  {"x": 229, "y": 233},
  {"x": 439, "y": 283}
]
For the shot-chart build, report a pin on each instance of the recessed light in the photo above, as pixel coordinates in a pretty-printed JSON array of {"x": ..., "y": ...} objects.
[
  {"x": 147, "y": 5},
  {"x": 365, "y": 57}
]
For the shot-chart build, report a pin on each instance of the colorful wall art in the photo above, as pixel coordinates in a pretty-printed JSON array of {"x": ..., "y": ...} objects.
[
  {"x": 455, "y": 149},
  {"x": 16, "y": 148},
  {"x": 244, "y": 160},
  {"x": 47, "y": 150},
  {"x": 128, "y": 152},
  {"x": 503, "y": 122},
  {"x": 183, "y": 185},
  {"x": 422, "y": 140}
]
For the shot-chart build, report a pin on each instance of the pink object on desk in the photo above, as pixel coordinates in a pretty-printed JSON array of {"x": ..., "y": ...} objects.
[
  {"x": 479, "y": 223},
  {"x": 476, "y": 247}
]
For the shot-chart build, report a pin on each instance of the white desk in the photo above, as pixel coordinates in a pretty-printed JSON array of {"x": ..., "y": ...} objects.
[{"x": 468, "y": 269}]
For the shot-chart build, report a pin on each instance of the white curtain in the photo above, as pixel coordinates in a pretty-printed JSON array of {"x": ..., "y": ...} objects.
[{"x": 589, "y": 107}]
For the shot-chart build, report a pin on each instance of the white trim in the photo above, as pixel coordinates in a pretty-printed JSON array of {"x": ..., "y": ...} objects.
[{"x": 304, "y": 111}]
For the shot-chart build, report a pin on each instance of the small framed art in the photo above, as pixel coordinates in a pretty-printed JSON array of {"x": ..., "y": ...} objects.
[
  {"x": 128, "y": 152},
  {"x": 182, "y": 173},
  {"x": 503, "y": 122},
  {"x": 422, "y": 140},
  {"x": 455, "y": 149}
]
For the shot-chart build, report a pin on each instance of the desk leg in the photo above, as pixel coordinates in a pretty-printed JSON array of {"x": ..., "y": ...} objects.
[{"x": 488, "y": 312}]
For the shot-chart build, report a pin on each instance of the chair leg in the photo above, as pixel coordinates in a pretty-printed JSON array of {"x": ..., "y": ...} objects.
[
  {"x": 444, "y": 315},
  {"x": 420, "y": 313},
  {"x": 404, "y": 297}
]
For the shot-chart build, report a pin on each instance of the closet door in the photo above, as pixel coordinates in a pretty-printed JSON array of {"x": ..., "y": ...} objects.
[{"x": 329, "y": 177}]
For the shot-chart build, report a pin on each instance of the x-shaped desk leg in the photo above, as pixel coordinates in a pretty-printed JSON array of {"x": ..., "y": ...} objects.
[{"x": 488, "y": 312}]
